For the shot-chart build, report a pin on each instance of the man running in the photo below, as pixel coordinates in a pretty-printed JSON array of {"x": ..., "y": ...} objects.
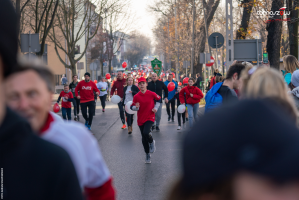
[
  {"x": 32, "y": 99},
  {"x": 86, "y": 96},
  {"x": 157, "y": 86},
  {"x": 76, "y": 101},
  {"x": 171, "y": 99},
  {"x": 119, "y": 85},
  {"x": 146, "y": 103}
]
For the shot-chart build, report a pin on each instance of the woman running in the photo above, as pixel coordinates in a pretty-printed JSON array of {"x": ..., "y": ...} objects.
[
  {"x": 103, "y": 87},
  {"x": 180, "y": 115},
  {"x": 129, "y": 92}
]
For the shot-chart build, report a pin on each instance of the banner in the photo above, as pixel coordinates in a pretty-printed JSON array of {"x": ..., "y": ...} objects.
[{"x": 157, "y": 66}]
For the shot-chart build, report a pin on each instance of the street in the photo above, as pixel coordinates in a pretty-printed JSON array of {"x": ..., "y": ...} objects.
[{"x": 124, "y": 155}]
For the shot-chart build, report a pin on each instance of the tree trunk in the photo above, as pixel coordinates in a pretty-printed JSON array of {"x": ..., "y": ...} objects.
[
  {"x": 274, "y": 29},
  {"x": 247, "y": 9},
  {"x": 110, "y": 66},
  {"x": 293, "y": 27}
]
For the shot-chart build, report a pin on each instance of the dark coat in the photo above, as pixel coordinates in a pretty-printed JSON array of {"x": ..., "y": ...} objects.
[
  {"x": 135, "y": 90},
  {"x": 157, "y": 88}
]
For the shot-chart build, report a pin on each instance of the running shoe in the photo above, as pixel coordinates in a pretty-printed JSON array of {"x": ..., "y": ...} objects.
[
  {"x": 124, "y": 126},
  {"x": 86, "y": 123},
  {"x": 148, "y": 158},
  {"x": 103, "y": 110},
  {"x": 179, "y": 128},
  {"x": 75, "y": 118},
  {"x": 130, "y": 129},
  {"x": 152, "y": 147},
  {"x": 172, "y": 119},
  {"x": 168, "y": 118},
  {"x": 157, "y": 128},
  {"x": 89, "y": 128},
  {"x": 153, "y": 127}
]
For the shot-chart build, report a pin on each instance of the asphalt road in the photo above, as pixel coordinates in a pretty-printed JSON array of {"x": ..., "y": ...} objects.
[{"x": 124, "y": 155}]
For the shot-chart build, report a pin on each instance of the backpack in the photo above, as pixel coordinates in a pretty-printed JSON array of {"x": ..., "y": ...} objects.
[{"x": 213, "y": 98}]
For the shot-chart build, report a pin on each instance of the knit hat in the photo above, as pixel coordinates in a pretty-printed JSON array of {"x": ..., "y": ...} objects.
[
  {"x": 8, "y": 36},
  {"x": 87, "y": 73},
  {"x": 256, "y": 136},
  {"x": 295, "y": 78}
]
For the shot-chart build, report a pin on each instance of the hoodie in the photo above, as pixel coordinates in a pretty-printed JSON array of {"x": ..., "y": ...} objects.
[
  {"x": 119, "y": 85},
  {"x": 185, "y": 93}
]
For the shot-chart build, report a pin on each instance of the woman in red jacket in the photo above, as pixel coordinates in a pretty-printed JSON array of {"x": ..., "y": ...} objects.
[{"x": 191, "y": 96}]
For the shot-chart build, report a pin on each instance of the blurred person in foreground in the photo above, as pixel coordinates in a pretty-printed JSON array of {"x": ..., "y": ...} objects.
[
  {"x": 32, "y": 99},
  {"x": 294, "y": 85},
  {"x": 31, "y": 168},
  {"x": 290, "y": 64},
  {"x": 261, "y": 163}
]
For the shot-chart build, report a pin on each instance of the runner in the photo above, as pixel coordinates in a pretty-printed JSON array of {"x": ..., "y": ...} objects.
[
  {"x": 171, "y": 99},
  {"x": 86, "y": 96},
  {"x": 180, "y": 115},
  {"x": 67, "y": 98},
  {"x": 76, "y": 101},
  {"x": 36, "y": 92},
  {"x": 119, "y": 85},
  {"x": 192, "y": 95},
  {"x": 144, "y": 104},
  {"x": 103, "y": 87},
  {"x": 157, "y": 86},
  {"x": 129, "y": 92}
]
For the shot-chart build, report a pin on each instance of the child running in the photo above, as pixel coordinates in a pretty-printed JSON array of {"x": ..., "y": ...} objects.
[
  {"x": 67, "y": 98},
  {"x": 180, "y": 115},
  {"x": 146, "y": 103}
]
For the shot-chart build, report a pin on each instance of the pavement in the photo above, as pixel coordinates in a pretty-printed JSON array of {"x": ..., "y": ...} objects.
[{"x": 124, "y": 155}]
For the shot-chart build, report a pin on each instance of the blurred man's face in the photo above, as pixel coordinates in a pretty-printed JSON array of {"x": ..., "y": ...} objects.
[
  {"x": 142, "y": 86},
  {"x": 75, "y": 79},
  {"x": 31, "y": 99},
  {"x": 248, "y": 186},
  {"x": 170, "y": 77},
  {"x": 119, "y": 75},
  {"x": 87, "y": 78},
  {"x": 154, "y": 77}
]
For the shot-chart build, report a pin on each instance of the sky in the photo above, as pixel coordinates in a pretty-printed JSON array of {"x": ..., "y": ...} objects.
[{"x": 145, "y": 20}]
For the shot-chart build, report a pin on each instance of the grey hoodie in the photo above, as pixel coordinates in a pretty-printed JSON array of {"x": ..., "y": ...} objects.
[{"x": 295, "y": 94}]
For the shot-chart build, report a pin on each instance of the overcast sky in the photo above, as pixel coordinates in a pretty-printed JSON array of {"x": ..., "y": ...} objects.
[{"x": 145, "y": 20}]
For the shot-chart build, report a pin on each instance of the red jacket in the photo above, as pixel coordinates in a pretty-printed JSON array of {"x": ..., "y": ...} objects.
[
  {"x": 86, "y": 91},
  {"x": 119, "y": 85},
  {"x": 197, "y": 95},
  {"x": 212, "y": 82}
]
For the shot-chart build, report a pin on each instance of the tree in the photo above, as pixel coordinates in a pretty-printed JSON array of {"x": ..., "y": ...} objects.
[
  {"x": 77, "y": 20},
  {"x": 247, "y": 9},
  {"x": 138, "y": 46},
  {"x": 293, "y": 26}
]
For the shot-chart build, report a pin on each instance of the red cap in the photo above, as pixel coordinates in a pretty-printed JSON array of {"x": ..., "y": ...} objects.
[{"x": 141, "y": 79}]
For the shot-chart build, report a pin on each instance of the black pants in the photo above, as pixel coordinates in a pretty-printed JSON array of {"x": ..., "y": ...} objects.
[
  {"x": 179, "y": 118},
  {"x": 172, "y": 103},
  {"x": 121, "y": 112},
  {"x": 76, "y": 103},
  {"x": 91, "y": 108},
  {"x": 146, "y": 137},
  {"x": 103, "y": 100},
  {"x": 130, "y": 119}
]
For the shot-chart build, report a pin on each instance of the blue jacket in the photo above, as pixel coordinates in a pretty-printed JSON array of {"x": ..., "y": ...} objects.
[
  {"x": 213, "y": 98},
  {"x": 172, "y": 93},
  {"x": 287, "y": 76}
]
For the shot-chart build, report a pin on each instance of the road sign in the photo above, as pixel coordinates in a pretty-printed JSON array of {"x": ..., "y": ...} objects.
[
  {"x": 211, "y": 62},
  {"x": 80, "y": 65},
  {"x": 216, "y": 38},
  {"x": 93, "y": 66},
  {"x": 157, "y": 66},
  {"x": 186, "y": 64},
  {"x": 30, "y": 43},
  {"x": 248, "y": 50},
  {"x": 204, "y": 58}
]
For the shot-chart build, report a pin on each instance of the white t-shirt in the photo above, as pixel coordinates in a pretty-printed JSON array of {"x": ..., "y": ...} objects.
[
  {"x": 129, "y": 96},
  {"x": 83, "y": 149},
  {"x": 103, "y": 87}
]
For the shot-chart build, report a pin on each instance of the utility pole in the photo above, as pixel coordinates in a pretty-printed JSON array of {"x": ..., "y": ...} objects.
[
  {"x": 169, "y": 66},
  {"x": 192, "y": 48},
  {"x": 176, "y": 38}
]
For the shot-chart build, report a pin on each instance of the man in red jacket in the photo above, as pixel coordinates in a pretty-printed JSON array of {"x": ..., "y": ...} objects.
[
  {"x": 119, "y": 86},
  {"x": 191, "y": 96},
  {"x": 86, "y": 97}
]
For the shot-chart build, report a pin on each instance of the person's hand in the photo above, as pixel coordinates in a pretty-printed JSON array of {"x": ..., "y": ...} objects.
[
  {"x": 111, "y": 96},
  {"x": 137, "y": 105},
  {"x": 154, "y": 110},
  {"x": 191, "y": 95},
  {"x": 166, "y": 100},
  {"x": 66, "y": 98},
  {"x": 78, "y": 97},
  {"x": 97, "y": 93},
  {"x": 183, "y": 103},
  {"x": 121, "y": 99},
  {"x": 130, "y": 91}
]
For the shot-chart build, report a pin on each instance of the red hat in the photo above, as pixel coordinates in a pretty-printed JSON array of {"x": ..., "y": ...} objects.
[{"x": 141, "y": 79}]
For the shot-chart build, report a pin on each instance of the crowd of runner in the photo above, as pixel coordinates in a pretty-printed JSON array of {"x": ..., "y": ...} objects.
[{"x": 245, "y": 146}]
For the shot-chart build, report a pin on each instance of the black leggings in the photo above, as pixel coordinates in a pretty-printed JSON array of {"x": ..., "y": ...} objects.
[
  {"x": 76, "y": 103},
  {"x": 103, "y": 100},
  {"x": 172, "y": 103},
  {"x": 179, "y": 118},
  {"x": 91, "y": 107},
  {"x": 121, "y": 112},
  {"x": 146, "y": 137},
  {"x": 130, "y": 119}
]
